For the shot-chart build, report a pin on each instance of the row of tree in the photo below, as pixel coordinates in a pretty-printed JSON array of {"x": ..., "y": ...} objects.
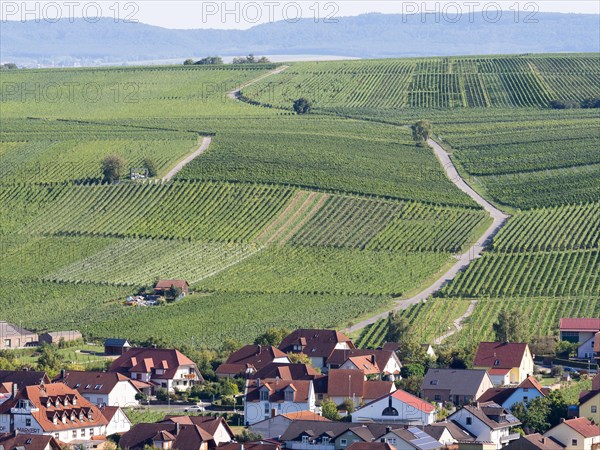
[
  {"x": 113, "y": 168},
  {"x": 217, "y": 60},
  {"x": 591, "y": 102}
]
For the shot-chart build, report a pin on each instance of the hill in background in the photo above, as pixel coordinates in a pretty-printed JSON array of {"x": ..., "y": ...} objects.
[{"x": 365, "y": 36}]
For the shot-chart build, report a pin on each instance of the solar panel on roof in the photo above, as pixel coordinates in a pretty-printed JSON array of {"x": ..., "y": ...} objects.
[{"x": 424, "y": 441}]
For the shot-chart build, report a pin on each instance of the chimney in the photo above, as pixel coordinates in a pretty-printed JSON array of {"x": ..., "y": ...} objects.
[
  {"x": 562, "y": 420},
  {"x": 258, "y": 382},
  {"x": 176, "y": 428},
  {"x": 373, "y": 359},
  {"x": 15, "y": 389},
  {"x": 543, "y": 440},
  {"x": 273, "y": 412},
  {"x": 388, "y": 429},
  {"x": 241, "y": 446},
  {"x": 63, "y": 372}
]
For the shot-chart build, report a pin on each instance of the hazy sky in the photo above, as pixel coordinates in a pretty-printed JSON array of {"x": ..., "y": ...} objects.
[{"x": 246, "y": 13}]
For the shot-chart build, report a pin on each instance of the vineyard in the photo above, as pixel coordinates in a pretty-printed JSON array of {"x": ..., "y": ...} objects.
[
  {"x": 519, "y": 81},
  {"x": 542, "y": 315},
  {"x": 428, "y": 320}
]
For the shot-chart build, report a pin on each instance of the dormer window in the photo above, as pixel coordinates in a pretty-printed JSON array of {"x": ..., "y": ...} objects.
[
  {"x": 57, "y": 403},
  {"x": 48, "y": 403},
  {"x": 289, "y": 396},
  {"x": 64, "y": 418},
  {"x": 497, "y": 362},
  {"x": 434, "y": 382},
  {"x": 55, "y": 420},
  {"x": 74, "y": 401},
  {"x": 98, "y": 387},
  {"x": 66, "y": 402},
  {"x": 90, "y": 416},
  {"x": 264, "y": 395},
  {"x": 72, "y": 416},
  {"x": 81, "y": 415}
]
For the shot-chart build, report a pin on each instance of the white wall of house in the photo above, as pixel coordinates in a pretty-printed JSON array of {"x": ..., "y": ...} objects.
[
  {"x": 571, "y": 439},
  {"x": 483, "y": 433},
  {"x": 221, "y": 435},
  {"x": 118, "y": 424},
  {"x": 123, "y": 395},
  {"x": 500, "y": 380},
  {"x": 522, "y": 395},
  {"x": 271, "y": 427},
  {"x": 407, "y": 414},
  {"x": 586, "y": 349},
  {"x": 395, "y": 440},
  {"x": 256, "y": 411}
]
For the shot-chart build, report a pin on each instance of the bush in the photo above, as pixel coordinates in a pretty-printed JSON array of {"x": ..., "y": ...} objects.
[{"x": 557, "y": 371}]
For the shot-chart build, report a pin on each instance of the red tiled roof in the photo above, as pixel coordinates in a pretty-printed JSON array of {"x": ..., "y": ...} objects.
[
  {"x": 370, "y": 446},
  {"x": 532, "y": 383},
  {"x": 166, "y": 284},
  {"x": 22, "y": 441},
  {"x": 597, "y": 342},
  {"x": 411, "y": 400},
  {"x": 305, "y": 415},
  {"x": 584, "y": 427},
  {"x": 496, "y": 395},
  {"x": 301, "y": 388},
  {"x": 210, "y": 424},
  {"x": 579, "y": 324},
  {"x": 146, "y": 359},
  {"x": 287, "y": 372},
  {"x": 41, "y": 394},
  {"x": 499, "y": 355},
  {"x": 351, "y": 383},
  {"x": 365, "y": 364},
  {"x": 91, "y": 382},
  {"x": 189, "y": 437},
  {"x": 257, "y": 356},
  {"x": 316, "y": 343},
  {"x": 498, "y": 371}
]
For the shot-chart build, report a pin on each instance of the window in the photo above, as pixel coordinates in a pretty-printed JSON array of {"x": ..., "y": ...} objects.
[
  {"x": 343, "y": 442},
  {"x": 594, "y": 409},
  {"x": 82, "y": 432},
  {"x": 469, "y": 421},
  {"x": 264, "y": 395},
  {"x": 573, "y": 442},
  {"x": 305, "y": 439},
  {"x": 74, "y": 433},
  {"x": 434, "y": 382},
  {"x": 320, "y": 396},
  {"x": 325, "y": 440},
  {"x": 497, "y": 362},
  {"x": 289, "y": 396},
  {"x": 56, "y": 435},
  {"x": 389, "y": 411},
  {"x": 91, "y": 431},
  {"x": 267, "y": 410},
  {"x": 437, "y": 397},
  {"x": 7, "y": 342},
  {"x": 525, "y": 399},
  {"x": 27, "y": 422}
]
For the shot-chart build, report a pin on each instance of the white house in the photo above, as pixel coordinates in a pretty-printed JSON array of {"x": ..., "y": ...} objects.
[
  {"x": 164, "y": 368},
  {"x": 384, "y": 363},
  {"x": 582, "y": 332},
  {"x": 489, "y": 422},
  {"x": 52, "y": 409},
  {"x": 215, "y": 426},
  {"x": 576, "y": 434},
  {"x": 397, "y": 407},
  {"x": 274, "y": 427},
  {"x": 506, "y": 362},
  {"x": 271, "y": 397},
  {"x": 101, "y": 388},
  {"x": 508, "y": 397},
  {"x": 118, "y": 422}
]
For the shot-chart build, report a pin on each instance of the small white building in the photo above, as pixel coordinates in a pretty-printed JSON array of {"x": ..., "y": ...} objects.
[
  {"x": 118, "y": 422},
  {"x": 397, "y": 407},
  {"x": 268, "y": 398},
  {"x": 101, "y": 388},
  {"x": 576, "y": 434}
]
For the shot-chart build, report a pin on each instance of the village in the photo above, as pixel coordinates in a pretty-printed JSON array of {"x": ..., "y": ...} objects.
[{"x": 313, "y": 390}]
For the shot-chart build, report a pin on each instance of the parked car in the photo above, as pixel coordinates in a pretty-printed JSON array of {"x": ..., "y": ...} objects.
[
  {"x": 195, "y": 408},
  {"x": 570, "y": 369}
]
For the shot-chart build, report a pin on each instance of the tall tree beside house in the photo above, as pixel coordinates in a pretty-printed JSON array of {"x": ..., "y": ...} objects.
[
  {"x": 50, "y": 360},
  {"x": 174, "y": 292},
  {"x": 273, "y": 336},
  {"x": 329, "y": 410},
  {"x": 541, "y": 413},
  {"x": 113, "y": 167},
  {"x": 510, "y": 327},
  {"x": 299, "y": 358}
]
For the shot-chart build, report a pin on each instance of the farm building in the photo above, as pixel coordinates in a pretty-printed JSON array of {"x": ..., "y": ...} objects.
[
  {"x": 162, "y": 286},
  {"x": 56, "y": 336},
  {"x": 12, "y": 336},
  {"x": 116, "y": 347}
]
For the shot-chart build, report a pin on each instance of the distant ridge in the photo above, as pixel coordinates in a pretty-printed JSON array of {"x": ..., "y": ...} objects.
[{"x": 367, "y": 36}]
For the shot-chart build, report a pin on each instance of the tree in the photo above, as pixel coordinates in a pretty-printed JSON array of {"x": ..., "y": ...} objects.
[
  {"x": 150, "y": 165},
  {"x": 112, "y": 168},
  {"x": 263, "y": 60},
  {"x": 228, "y": 388},
  {"x": 510, "y": 326},
  {"x": 347, "y": 405},
  {"x": 543, "y": 345},
  {"x": 563, "y": 104},
  {"x": 50, "y": 359},
  {"x": 412, "y": 370},
  {"x": 302, "y": 106},
  {"x": 8, "y": 66},
  {"x": 174, "y": 292},
  {"x": 421, "y": 131},
  {"x": 273, "y": 336},
  {"x": 398, "y": 328},
  {"x": 188, "y": 62},
  {"x": 411, "y": 384},
  {"x": 247, "y": 436},
  {"x": 329, "y": 410},
  {"x": 210, "y": 60},
  {"x": 299, "y": 358},
  {"x": 592, "y": 102}
]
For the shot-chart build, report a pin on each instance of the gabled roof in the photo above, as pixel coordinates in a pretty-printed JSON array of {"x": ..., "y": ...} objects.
[
  {"x": 305, "y": 415},
  {"x": 381, "y": 356},
  {"x": 579, "y": 324},
  {"x": 586, "y": 396},
  {"x": 534, "y": 441},
  {"x": 497, "y": 395},
  {"x": 302, "y": 389},
  {"x": 597, "y": 342},
  {"x": 315, "y": 343},
  {"x": 491, "y": 414},
  {"x": 57, "y": 399},
  {"x": 366, "y": 364},
  {"x": 261, "y": 445},
  {"x": 499, "y": 355},
  {"x": 23, "y": 377},
  {"x": 583, "y": 426},
  {"x": 109, "y": 412},
  {"x": 21, "y": 441},
  {"x": 210, "y": 424},
  {"x": 370, "y": 446},
  {"x": 413, "y": 401},
  {"x": 596, "y": 382},
  {"x": 91, "y": 382},
  {"x": 351, "y": 383},
  {"x": 257, "y": 356},
  {"x": 115, "y": 342},
  {"x": 459, "y": 434},
  {"x": 189, "y": 437},
  {"x": 147, "y": 359},
  {"x": 532, "y": 383},
  {"x": 287, "y": 372},
  {"x": 8, "y": 330},
  {"x": 368, "y": 431},
  {"x": 166, "y": 284},
  {"x": 457, "y": 382}
]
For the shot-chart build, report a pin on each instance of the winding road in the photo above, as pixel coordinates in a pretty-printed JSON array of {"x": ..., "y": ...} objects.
[
  {"x": 499, "y": 218},
  {"x": 463, "y": 260},
  {"x": 181, "y": 164}
]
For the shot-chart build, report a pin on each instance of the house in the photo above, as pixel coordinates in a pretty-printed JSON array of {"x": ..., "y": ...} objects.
[
  {"x": 23, "y": 378},
  {"x": 488, "y": 422},
  {"x": 448, "y": 433},
  {"x": 318, "y": 345},
  {"x": 580, "y": 331},
  {"x": 410, "y": 438},
  {"x": 56, "y": 337},
  {"x": 215, "y": 426},
  {"x": 304, "y": 435},
  {"x": 116, "y": 347},
  {"x": 341, "y": 384},
  {"x": 274, "y": 427},
  {"x": 529, "y": 389},
  {"x": 23, "y": 441},
  {"x": 162, "y": 286},
  {"x": 576, "y": 434},
  {"x": 166, "y": 436},
  {"x": 534, "y": 442},
  {"x": 249, "y": 359},
  {"x": 118, "y": 422},
  {"x": 287, "y": 372},
  {"x": 398, "y": 407},
  {"x": 12, "y": 336},
  {"x": 261, "y": 445},
  {"x": 163, "y": 368},
  {"x": 589, "y": 401},
  {"x": 101, "y": 388},
  {"x": 506, "y": 362},
  {"x": 383, "y": 363},
  {"x": 371, "y": 446},
  {"x": 53, "y": 409},
  {"x": 271, "y": 397},
  {"x": 455, "y": 385}
]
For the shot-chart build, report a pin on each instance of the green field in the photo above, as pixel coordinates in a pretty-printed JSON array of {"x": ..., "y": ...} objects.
[{"x": 290, "y": 220}]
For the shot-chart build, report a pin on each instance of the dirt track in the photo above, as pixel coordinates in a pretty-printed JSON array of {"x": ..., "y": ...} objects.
[{"x": 180, "y": 165}]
